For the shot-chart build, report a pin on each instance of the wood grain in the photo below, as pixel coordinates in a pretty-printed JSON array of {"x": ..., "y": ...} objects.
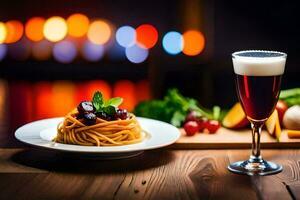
[
  {"x": 159, "y": 174},
  {"x": 232, "y": 139}
]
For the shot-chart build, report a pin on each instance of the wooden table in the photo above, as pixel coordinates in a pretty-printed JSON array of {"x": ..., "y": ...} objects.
[{"x": 159, "y": 174}]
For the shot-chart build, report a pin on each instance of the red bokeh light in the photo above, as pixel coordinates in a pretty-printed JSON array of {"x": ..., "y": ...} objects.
[
  {"x": 43, "y": 100},
  {"x": 146, "y": 36},
  {"x": 143, "y": 90},
  {"x": 126, "y": 90}
]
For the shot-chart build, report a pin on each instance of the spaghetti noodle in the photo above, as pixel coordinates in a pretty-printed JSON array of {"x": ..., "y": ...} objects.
[{"x": 102, "y": 133}]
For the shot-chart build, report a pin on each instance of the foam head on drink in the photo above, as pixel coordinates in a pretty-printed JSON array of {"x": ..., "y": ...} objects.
[
  {"x": 259, "y": 63},
  {"x": 258, "y": 78}
]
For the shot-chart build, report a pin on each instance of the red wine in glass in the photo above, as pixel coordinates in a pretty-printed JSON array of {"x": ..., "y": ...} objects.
[{"x": 258, "y": 94}]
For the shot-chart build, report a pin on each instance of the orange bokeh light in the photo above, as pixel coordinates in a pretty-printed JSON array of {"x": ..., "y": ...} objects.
[
  {"x": 146, "y": 36},
  {"x": 15, "y": 31},
  {"x": 43, "y": 100},
  {"x": 126, "y": 90},
  {"x": 63, "y": 98},
  {"x": 194, "y": 43},
  {"x": 99, "y": 32},
  {"x": 86, "y": 90},
  {"x": 34, "y": 28},
  {"x": 78, "y": 25},
  {"x": 3, "y": 32}
]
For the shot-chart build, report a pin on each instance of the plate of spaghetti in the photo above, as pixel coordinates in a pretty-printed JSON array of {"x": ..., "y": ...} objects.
[{"x": 99, "y": 127}]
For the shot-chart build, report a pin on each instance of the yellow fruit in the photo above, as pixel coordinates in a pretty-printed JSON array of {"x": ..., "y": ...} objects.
[
  {"x": 235, "y": 118},
  {"x": 273, "y": 125}
]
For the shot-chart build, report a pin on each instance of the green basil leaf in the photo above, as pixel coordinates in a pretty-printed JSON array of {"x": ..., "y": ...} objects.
[
  {"x": 110, "y": 110},
  {"x": 98, "y": 100},
  {"x": 116, "y": 101}
]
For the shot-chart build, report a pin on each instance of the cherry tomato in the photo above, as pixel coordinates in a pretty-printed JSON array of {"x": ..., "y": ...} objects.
[
  {"x": 202, "y": 123},
  {"x": 212, "y": 126},
  {"x": 191, "y": 127}
]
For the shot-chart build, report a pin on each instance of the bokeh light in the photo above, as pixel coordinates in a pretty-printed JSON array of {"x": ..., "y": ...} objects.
[
  {"x": 55, "y": 29},
  {"x": 43, "y": 96},
  {"x": 98, "y": 85},
  {"x": 3, "y": 32},
  {"x": 92, "y": 52},
  {"x": 99, "y": 32},
  {"x": 85, "y": 90},
  {"x": 42, "y": 50},
  {"x": 194, "y": 43},
  {"x": 64, "y": 51},
  {"x": 63, "y": 98},
  {"x": 173, "y": 42},
  {"x": 126, "y": 36},
  {"x": 3, "y": 51},
  {"x": 143, "y": 90},
  {"x": 20, "y": 50},
  {"x": 78, "y": 25},
  {"x": 3, "y": 98},
  {"x": 126, "y": 90},
  {"x": 136, "y": 54},
  {"x": 146, "y": 36},
  {"x": 34, "y": 29},
  {"x": 15, "y": 31}
]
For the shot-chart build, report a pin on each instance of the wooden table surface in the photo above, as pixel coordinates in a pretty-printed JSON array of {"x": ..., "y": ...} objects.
[{"x": 159, "y": 174}]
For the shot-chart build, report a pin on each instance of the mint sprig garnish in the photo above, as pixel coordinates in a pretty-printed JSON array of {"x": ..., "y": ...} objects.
[
  {"x": 108, "y": 106},
  {"x": 116, "y": 101},
  {"x": 98, "y": 100}
]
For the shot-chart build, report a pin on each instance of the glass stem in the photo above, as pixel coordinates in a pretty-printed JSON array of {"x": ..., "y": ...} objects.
[{"x": 256, "y": 132}]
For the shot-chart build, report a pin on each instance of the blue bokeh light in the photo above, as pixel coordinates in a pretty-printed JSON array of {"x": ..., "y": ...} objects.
[
  {"x": 64, "y": 51},
  {"x": 92, "y": 52},
  {"x": 126, "y": 36},
  {"x": 136, "y": 54},
  {"x": 3, "y": 51},
  {"x": 173, "y": 42}
]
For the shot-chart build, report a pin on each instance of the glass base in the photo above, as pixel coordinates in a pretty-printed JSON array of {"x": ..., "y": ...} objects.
[{"x": 253, "y": 167}]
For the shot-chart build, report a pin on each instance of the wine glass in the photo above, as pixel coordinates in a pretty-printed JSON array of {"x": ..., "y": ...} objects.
[{"x": 258, "y": 78}]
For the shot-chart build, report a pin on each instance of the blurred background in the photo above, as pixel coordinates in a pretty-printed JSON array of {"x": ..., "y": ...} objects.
[{"x": 53, "y": 54}]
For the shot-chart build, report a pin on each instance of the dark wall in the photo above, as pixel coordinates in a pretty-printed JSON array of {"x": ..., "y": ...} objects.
[{"x": 242, "y": 25}]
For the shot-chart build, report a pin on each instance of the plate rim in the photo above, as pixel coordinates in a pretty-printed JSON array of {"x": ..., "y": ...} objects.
[{"x": 144, "y": 148}]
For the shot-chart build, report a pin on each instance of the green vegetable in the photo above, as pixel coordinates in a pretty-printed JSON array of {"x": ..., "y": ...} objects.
[
  {"x": 98, "y": 100},
  {"x": 295, "y": 92},
  {"x": 106, "y": 106},
  {"x": 216, "y": 112},
  {"x": 291, "y": 96},
  {"x": 114, "y": 102},
  {"x": 177, "y": 118},
  {"x": 173, "y": 108},
  {"x": 111, "y": 110}
]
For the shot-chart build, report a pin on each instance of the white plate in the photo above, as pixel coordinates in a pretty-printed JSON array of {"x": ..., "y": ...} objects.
[{"x": 40, "y": 134}]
